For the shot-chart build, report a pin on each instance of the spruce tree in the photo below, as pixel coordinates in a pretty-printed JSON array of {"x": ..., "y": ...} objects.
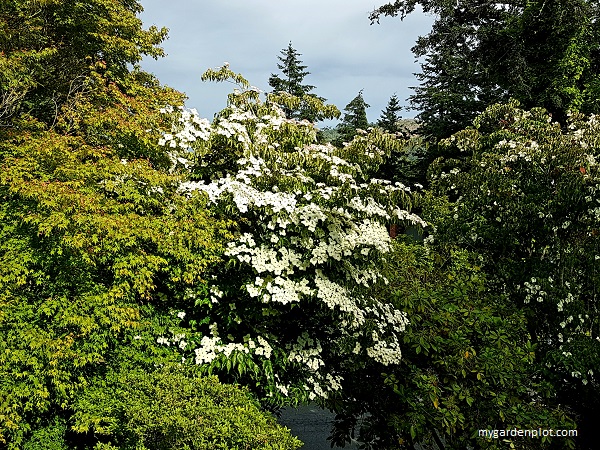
[
  {"x": 355, "y": 118},
  {"x": 390, "y": 115},
  {"x": 294, "y": 73}
]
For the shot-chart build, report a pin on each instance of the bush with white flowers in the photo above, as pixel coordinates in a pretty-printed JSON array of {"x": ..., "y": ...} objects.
[
  {"x": 293, "y": 308},
  {"x": 526, "y": 196}
]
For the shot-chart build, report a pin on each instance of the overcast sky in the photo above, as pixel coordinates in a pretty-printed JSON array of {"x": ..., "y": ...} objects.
[{"x": 343, "y": 52}]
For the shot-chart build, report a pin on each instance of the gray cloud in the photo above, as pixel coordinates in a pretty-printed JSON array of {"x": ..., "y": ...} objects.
[{"x": 343, "y": 52}]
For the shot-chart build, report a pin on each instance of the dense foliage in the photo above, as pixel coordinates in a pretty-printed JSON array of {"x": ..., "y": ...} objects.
[
  {"x": 173, "y": 409},
  {"x": 466, "y": 364},
  {"x": 390, "y": 116},
  {"x": 48, "y": 49},
  {"x": 144, "y": 250},
  {"x": 97, "y": 247},
  {"x": 526, "y": 196},
  {"x": 543, "y": 53},
  {"x": 292, "y": 311}
]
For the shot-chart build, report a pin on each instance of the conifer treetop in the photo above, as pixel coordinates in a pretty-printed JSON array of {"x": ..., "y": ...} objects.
[
  {"x": 294, "y": 73},
  {"x": 390, "y": 115}
]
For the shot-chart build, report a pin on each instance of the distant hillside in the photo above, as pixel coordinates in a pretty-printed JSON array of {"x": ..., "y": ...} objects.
[{"x": 410, "y": 126}]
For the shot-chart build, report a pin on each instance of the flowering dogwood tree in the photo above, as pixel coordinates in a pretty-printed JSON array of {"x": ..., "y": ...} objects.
[
  {"x": 525, "y": 194},
  {"x": 293, "y": 308}
]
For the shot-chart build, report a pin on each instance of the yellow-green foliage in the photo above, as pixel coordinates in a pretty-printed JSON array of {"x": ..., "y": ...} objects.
[
  {"x": 98, "y": 249},
  {"x": 172, "y": 409},
  {"x": 92, "y": 231},
  {"x": 49, "y": 48}
]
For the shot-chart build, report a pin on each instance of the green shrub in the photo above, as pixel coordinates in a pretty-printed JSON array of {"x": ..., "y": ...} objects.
[
  {"x": 467, "y": 363},
  {"x": 49, "y": 437},
  {"x": 172, "y": 408}
]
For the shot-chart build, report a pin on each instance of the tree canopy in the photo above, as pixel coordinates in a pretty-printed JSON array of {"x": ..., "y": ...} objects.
[
  {"x": 98, "y": 247},
  {"x": 50, "y": 48},
  {"x": 542, "y": 53},
  {"x": 285, "y": 315}
]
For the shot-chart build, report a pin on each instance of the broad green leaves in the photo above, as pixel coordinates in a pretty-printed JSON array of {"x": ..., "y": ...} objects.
[{"x": 524, "y": 193}]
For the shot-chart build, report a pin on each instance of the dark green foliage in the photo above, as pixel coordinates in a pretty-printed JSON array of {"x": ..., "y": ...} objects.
[
  {"x": 356, "y": 113},
  {"x": 542, "y": 52},
  {"x": 467, "y": 363},
  {"x": 294, "y": 73},
  {"x": 524, "y": 194},
  {"x": 389, "y": 119},
  {"x": 553, "y": 57},
  {"x": 408, "y": 164},
  {"x": 327, "y": 134},
  {"x": 354, "y": 120},
  {"x": 50, "y": 436}
]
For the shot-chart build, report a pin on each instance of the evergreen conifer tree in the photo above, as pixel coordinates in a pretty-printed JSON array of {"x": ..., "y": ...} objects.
[
  {"x": 355, "y": 118},
  {"x": 480, "y": 52},
  {"x": 390, "y": 115},
  {"x": 294, "y": 73}
]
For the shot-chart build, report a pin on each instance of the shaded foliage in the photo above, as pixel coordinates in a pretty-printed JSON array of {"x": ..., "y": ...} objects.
[
  {"x": 467, "y": 364},
  {"x": 543, "y": 53},
  {"x": 524, "y": 193}
]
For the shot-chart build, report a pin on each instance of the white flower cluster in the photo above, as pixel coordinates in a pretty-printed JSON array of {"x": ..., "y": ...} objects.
[
  {"x": 280, "y": 290},
  {"x": 385, "y": 352},
  {"x": 211, "y": 347},
  {"x": 183, "y": 136},
  {"x": 215, "y": 294},
  {"x": 561, "y": 304},
  {"x": 177, "y": 340},
  {"x": 321, "y": 386},
  {"x": 240, "y": 126},
  {"x": 533, "y": 291},
  {"x": 334, "y": 295},
  {"x": 278, "y": 261},
  {"x": 244, "y": 195},
  {"x": 306, "y": 351}
]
